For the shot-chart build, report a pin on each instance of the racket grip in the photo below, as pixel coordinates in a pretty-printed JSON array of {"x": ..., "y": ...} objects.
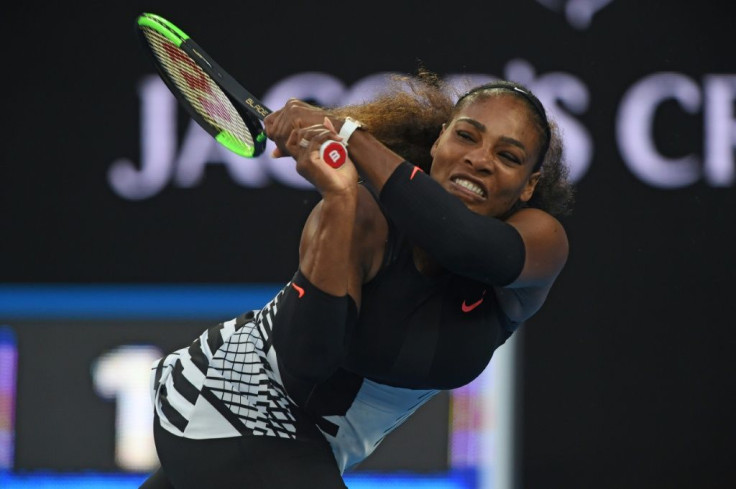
[{"x": 334, "y": 153}]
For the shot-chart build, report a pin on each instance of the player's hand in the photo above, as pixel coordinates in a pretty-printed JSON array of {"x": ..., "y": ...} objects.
[
  {"x": 304, "y": 144},
  {"x": 294, "y": 115}
]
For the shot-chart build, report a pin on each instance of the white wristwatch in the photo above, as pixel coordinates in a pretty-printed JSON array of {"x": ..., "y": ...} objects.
[{"x": 348, "y": 128}]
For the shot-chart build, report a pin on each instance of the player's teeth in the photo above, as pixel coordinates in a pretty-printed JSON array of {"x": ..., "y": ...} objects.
[{"x": 470, "y": 186}]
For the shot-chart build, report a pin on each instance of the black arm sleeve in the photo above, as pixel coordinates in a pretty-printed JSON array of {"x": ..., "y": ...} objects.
[
  {"x": 474, "y": 246},
  {"x": 311, "y": 329}
]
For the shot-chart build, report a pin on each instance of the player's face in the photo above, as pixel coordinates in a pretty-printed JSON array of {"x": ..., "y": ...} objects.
[{"x": 486, "y": 154}]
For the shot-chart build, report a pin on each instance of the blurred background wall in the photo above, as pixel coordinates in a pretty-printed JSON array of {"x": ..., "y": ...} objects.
[{"x": 110, "y": 198}]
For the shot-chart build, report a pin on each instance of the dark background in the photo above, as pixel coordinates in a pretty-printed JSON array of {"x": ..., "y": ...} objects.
[{"x": 627, "y": 376}]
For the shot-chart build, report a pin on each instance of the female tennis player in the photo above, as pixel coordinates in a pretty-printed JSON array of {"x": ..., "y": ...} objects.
[{"x": 430, "y": 246}]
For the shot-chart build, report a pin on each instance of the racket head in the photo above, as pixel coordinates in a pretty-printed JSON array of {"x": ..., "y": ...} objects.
[{"x": 193, "y": 84}]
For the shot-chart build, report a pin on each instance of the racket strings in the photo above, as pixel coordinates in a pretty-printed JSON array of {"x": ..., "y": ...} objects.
[{"x": 200, "y": 91}]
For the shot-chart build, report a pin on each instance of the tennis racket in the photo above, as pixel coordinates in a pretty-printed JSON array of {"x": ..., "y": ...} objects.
[{"x": 213, "y": 98}]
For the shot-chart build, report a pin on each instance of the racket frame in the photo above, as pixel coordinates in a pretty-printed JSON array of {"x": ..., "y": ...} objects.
[{"x": 245, "y": 103}]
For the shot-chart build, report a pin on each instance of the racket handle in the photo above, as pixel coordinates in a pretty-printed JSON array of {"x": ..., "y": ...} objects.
[{"x": 334, "y": 153}]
